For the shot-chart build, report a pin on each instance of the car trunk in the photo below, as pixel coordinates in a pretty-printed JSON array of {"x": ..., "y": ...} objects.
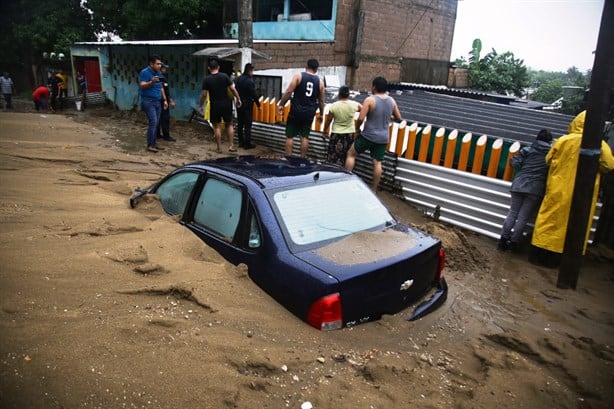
[{"x": 388, "y": 272}]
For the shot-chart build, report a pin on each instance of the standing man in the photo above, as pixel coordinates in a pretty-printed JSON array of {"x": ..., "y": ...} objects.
[
  {"x": 307, "y": 92},
  {"x": 82, "y": 85},
  {"x": 152, "y": 99},
  {"x": 165, "y": 116},
  {"x": 54, "y": 82},
  {"x": 8, "y": 89},
  {"x": 247, "y": 91},
  {"x": 377, "y": 109},
  {"x": 62, "y": 88},
  {"x": 216, "y": 86}
]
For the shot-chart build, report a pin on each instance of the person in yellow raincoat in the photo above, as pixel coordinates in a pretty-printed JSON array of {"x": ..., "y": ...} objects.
[{"x": 553, "y": 216}]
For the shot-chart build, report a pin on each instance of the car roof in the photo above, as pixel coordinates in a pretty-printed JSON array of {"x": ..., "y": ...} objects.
[{"x": 274, "y": 171}]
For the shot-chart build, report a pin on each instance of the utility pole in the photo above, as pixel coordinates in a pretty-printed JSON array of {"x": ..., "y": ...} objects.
[
  {"x": 246, "y": 37},
  {"x": 588, "y": 162}
]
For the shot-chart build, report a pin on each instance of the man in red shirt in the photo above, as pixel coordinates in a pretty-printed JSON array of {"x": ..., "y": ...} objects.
[{"x": 40, "y": 96}]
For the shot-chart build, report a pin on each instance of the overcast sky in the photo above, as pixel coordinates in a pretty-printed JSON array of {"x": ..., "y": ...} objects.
[{"x": 550, "y": 35}]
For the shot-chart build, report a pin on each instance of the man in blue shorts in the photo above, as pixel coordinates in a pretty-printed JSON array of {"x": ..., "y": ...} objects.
[
  {"x": 307, "y": 92},
  {"x": 378, "y": 109},
  {"x": 216, "y": 86}
]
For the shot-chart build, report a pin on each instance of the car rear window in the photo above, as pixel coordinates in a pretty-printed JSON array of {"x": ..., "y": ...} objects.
[{"x": 325, "y": 211}]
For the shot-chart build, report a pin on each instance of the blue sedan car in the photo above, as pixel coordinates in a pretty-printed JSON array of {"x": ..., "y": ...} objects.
[{"x": 313, "y": 236}]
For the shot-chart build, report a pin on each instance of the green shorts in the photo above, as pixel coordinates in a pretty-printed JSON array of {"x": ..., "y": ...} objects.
[
  {"x": 297, "y": 128},
  {"x": 376, "y": 150}
]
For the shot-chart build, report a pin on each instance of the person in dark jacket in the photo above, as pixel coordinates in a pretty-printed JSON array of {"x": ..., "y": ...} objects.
[
  {"x": 527, "y": 189},
  {"x": 247, "y": 91},
  {"x": 164, "y": 124}
]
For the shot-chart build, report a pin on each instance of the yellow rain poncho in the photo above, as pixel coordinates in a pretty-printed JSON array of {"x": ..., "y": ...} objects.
[{"x": 551, "y": 223}]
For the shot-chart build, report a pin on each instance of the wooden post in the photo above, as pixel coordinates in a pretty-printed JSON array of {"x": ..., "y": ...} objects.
[
  {"x": 509, "y": 170},
  {"x": 424, "y": 144},
  {"x": 402, "y": 133},
  {"x": 286, "y": 112},
  {"x": 478, "y": 155},
  {"x": 411, "y": 141},
  {"x": 495, "y": 156},
  {"x": 393, "y": 135},
  {"x": 266, "y": 107},
  {"x": 272, "y": 111},
  {"x": 257, "y": 113},
  {"x": 438, "y": 146},
  {"x": 450, "y": 149},
  {"x": 464, "y": 153},
  {"x": 588, "y": 161}
]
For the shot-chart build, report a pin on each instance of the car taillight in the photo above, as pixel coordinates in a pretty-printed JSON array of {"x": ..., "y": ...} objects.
[
  {"x": 442, "y": 262},
  {"x": 325, "y": 313}
]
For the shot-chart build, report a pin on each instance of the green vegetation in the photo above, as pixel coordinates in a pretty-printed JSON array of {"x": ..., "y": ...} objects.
[
  {"x": 500, "y": 73},
  {"x": 549, "y": 88},
  {"x": 505, "y": 74},
  {"x": 31, "y": 31}
]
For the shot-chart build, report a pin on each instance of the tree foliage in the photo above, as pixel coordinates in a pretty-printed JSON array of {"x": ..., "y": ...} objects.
[
  {"x": 28, "y": 28},
  {"x": 157, "y": 19},
  {"x": 548, "y": 92},
  {"x": 549, "y": 88},
  {"x": 500, "y": 73}
]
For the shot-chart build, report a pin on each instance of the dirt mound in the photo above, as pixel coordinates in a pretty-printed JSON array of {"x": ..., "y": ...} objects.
[{"x": 461, "y": 254}]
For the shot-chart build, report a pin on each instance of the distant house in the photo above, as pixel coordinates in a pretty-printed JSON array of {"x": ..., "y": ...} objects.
[{"x": 353, "y": 40}]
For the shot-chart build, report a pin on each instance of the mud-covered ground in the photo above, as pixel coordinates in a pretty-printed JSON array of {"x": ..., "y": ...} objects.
[{"x": 108, "y": 307}]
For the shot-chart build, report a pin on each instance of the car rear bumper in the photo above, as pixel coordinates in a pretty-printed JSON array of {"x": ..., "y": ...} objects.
[{"x": 435, "y": 301}]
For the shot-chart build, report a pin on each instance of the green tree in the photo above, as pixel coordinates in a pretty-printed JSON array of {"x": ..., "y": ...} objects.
[
  {"x": 548, "y": 92},
  {"x": 158, "y": 19},
  {"x": 550, "y": 88},
  {"x": 29, "y": 28},
  {"x": 501, "y": 73}
]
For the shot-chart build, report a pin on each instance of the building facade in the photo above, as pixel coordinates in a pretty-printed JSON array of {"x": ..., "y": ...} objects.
[{"x": 354, "y": 41}]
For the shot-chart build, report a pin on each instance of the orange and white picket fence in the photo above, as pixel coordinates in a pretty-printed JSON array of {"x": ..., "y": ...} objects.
[{"x": 475, "y": 154}]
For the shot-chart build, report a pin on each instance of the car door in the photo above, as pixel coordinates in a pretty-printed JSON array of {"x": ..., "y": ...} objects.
[{"x": 224, "y": 217}]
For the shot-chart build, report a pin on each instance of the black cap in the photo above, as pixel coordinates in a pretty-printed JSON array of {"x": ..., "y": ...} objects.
[
  {"x": 248, "y": 67},
  {"x": 165, "y": 65}
]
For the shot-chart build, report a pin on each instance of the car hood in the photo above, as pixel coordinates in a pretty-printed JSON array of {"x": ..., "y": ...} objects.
[{"x": 365, "y": 251}]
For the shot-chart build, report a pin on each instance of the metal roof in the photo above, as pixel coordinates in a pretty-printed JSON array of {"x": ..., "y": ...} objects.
[{"x": 495, "y": 120}]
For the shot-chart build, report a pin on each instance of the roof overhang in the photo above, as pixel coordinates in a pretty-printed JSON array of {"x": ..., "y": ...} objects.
[{"x": 225, "y": 52}]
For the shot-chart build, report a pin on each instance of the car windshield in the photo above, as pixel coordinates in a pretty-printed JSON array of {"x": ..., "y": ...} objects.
[{"x": 326, "y": 211}]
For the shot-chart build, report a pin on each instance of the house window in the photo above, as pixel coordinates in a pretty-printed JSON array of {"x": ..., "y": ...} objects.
[
  {"x": 292, "y": 10},
  {"x": 310, "y": 20}
]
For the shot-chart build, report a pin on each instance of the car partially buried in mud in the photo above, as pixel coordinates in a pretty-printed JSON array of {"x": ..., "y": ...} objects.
[{"x": 313, "y": 236}]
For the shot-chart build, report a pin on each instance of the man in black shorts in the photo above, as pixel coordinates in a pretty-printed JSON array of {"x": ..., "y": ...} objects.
[
  {"x": 307, "y": 92},
  {"x": 216, "y": 86}
]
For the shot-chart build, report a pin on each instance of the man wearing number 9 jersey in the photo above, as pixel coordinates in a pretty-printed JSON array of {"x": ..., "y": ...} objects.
[{"x": 307, "y": 92}]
